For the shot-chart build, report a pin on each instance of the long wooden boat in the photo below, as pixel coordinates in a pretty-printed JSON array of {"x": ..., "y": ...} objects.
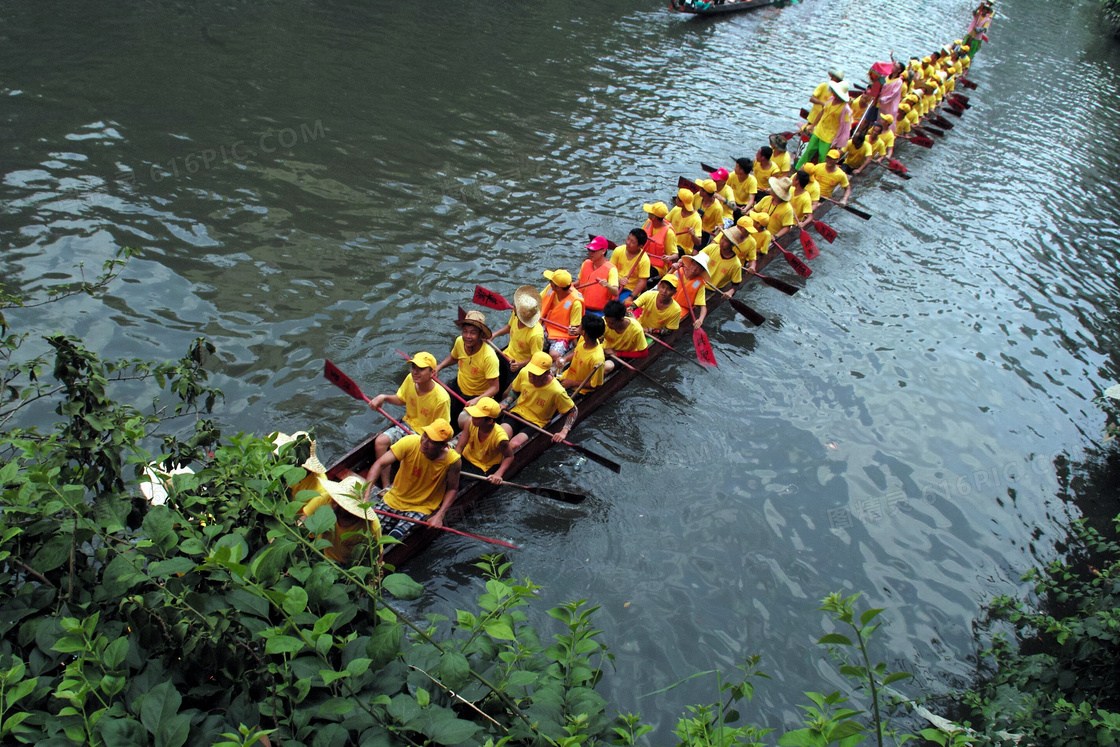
[
  {"x": 729, "y": 7},
  {"x": 471, "y": 492}
]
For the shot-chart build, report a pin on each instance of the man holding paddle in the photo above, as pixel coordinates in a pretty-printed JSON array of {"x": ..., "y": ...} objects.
[
  {"x": 633, "y": 265},
  {"x": 483, "y": 444},
  {"x": 561, "y": 312},
  {"x": 526, "y": 335},
  {"x": 656, "y": 310},
  {"x": 661, "y": 238},
  {"x": 829, "y": 175},
  {"x": 426, "y": 482},
  {"x": 424, "y": 403},
  {"x": 598, "y": 277},
  {"x": 478, "y": 363},
  {"x": 541, "y": 397}
]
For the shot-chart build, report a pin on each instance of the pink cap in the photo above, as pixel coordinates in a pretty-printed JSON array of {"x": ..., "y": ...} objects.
[
  {"x": 598, "y": 244},
  {"x": 719, "y": 174}
]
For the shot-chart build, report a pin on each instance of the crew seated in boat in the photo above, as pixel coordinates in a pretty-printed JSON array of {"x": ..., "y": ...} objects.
[
  {"x": 777, "y": 206},
  {"x": 693, "y": 276},
  {"x": 661, "y": 244},
  {"x": 483, "y": 444},
  {"x": 526, "y": 335},
  {"x": 479, "y": 369},
  {"x": 585, "y": 361},
  {"x": 598, "y": 277},
  {"x": 624, "y": 337},
  {"x": 541, "y": 397},
  {"x": 828, "y": 175},
  {"x": 743, "y": 183},
  {"x": 426, "y": 482},
  {"x": 686, "y": 222},
  {"x": 561, "y": 311},
  {"x": 780, "y": 156},
  {"x": 800, "y": 198},
  {"x": 633, "y": 265},
  {"x": 424, "y": 402},
  {"x": 656, "y": 310},
  {"x": 724, "y": 266}
]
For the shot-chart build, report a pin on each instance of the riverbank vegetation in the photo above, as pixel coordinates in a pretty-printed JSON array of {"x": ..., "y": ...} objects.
[{"x": 213, "y": 618}]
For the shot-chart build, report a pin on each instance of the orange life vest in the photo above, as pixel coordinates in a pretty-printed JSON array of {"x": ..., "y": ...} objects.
[
  {"x": 559, "y": 312},
  {"x": 686, "y": 292},
  {"x": 655, "y": 244},
  {"x": 595, "y": 296}
]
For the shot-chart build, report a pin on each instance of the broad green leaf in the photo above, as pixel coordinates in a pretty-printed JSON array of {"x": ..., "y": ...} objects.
[
  {"x": 295, "y": 601},
  {"x": 163, "y": 568},
  {"x": 445, "y": 728},
  {"x": 159, "y": 525},
  {"x": 869, "y": 615},
  {"x": 174, "y": 732},
  {"x": 69, "y": 644},
  {"x": 523, "y": 678},
  {"x": 499, "y": 630},
  {"x": 119, "y": 576},
  {"x": 895, "y": 677},
  {"x": 337, "y": 707},
  {"x": 836, "y": 639},
  {"x": 52, "y": 554},
  {"x": 423, "y": 697},
  {"x": 404, "y": 708},
  {"x": 159, "y": 706},
  {"x": 114, "y": 654},
  {"x": 402, "y": 587},
  {"x": 454, "y": 671},
  {"x": 329, "y": 675},
  {"x": 283, "y": 644},
  {"x": 846, "y": 729},
  {"x": 247, "y": 602},
  {"x": 122, "y": 732},
  {"x": 321, "y": 521},
  {"x": 358, "y": 667},
  {"x": 802, "y": 738}
]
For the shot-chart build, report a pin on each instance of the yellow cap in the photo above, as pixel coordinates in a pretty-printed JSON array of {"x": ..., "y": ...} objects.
[
  {"x": 684, "y": 196},
  {"x": 539, "y": 364},
  {"x": 747, "y": 224},
  {"x": 887, "y": 119},
  {"x": 671, "y": 279},
  {"x": 424, "y": 360},
  {"x": 660, "y": 209},
  {"x": 485, "y": 408},
  {"x": 707, "y": 185},
  {"x": 834, "y": 153},
  {"x": 561, "y": 278},
  {"x": 439, "y": 430}
]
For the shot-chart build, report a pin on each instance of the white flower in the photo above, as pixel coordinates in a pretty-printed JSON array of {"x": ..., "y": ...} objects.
[{"x": 1113, "y": 391}]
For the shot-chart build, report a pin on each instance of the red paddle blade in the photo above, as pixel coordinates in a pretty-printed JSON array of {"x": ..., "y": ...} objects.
[
  {"x": 490, "y": 299},
  {"x": 961, "y": 97},
  {"x": 342, "y": 381},
  {"x": 804, "y": 138},
  {"x": 827, "y": 232},
  {"x": 688, "y": 184},
  {"x": 954, "y": 112},
  {"x": 636, "y": 311},
  {"x": 810, "y": 246},
  {"x": 968, "y": 84},
  {"x": 896, "y": 166},
  {"x": 924, "y": 142},
  {"x": 802, "y": 269},
  {"x": 704, "y": 354}
]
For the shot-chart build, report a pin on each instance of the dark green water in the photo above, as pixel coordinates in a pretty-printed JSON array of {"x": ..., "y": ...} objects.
[{"x": 311, "y": 180}]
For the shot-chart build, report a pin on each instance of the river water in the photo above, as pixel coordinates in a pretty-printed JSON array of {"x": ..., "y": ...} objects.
[{"x": 310, "y": 180}]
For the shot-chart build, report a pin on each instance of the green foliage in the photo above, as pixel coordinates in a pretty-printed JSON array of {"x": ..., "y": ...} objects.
[{"x": 1053, "y": 679}]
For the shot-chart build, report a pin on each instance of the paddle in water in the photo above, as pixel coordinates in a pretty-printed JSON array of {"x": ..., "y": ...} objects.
[
  {"x": 643, "y": 374},
  {"x": 827, "y": 232},
  {"x": 553, "y": 493},
  {"x": 802, "y": 269},
  {"x": 705, "y": 356},
  {"x": 781, "y": 285},
  {"x": 853, "y": 210},
  {"x": 422, "y": 523},
  {"x": 809, "y": 245}
]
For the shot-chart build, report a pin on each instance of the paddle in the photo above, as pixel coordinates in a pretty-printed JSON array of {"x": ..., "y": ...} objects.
[
  {"x": 705, "y": 356},
  {"x": 659, "y": 341},
  {"x": 613, "y": 466},
  {"x": 553, "y": 493},
  {"x": 781, "y": 285},
  {"x": 967, "y": 83},
  {"x": 940, "y": 121},
  {"x": 897, "y": 168},
  {"x": 490, "y": 299},
  {"x": 708, "y": 168},
  {"x": 751, "y": 315},
  {"x": 924, "y": 142},
  {"x": 795, "y": 262},
  {"x": 952, "y": 111},
  {"x": 928, "y": 128},
  {"x": 492, "y": 541},
  {"x": 646, "y": 376},
  {"x": 961, "y": 97},
  {"x": 853, "y": 210},
  {"x": 688, "y": 184},
  {"x": 827, "y": 232},
  {"x": 810, "y": 246}
]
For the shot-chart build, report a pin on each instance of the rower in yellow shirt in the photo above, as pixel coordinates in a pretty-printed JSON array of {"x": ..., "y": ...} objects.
[
  {"x": 536, "y": 396},
  {"x": 526, "y": 334},
  {"x": 743, "y": 183},
  {"x": 351, "y": 520},
  {"x": 755, "y": 224},
  {"x": 780, "y": 156},
  {"x": 483, "y": 444},
  {"x": 764, "y": 167},
  {"x": 724, "y": 266},
  {"x": 800, "y": 199},
  {"x": 657, "y": 310},
  {"x": 857, "y": 154},
  {"x": 424, "y": 402},
  {"x": 426, "y": 484},
  {"x": 661, "y": 238},
  {"x": 624, "y": 335},
  {"x": 586, "y": 357},
  {"x": 829, "y": 174},
  {"x": 633, "y": 265},
  {"x": 686, "y": 222},
  {"x": 710, "y": 207},
  {"x": 776, "y": 206},
  {"x": 478, "y": 365}
]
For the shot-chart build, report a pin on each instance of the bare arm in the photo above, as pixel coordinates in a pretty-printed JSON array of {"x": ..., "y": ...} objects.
[
  {"x": 568, "y": 423},
  {"x": 436, "y": 519},
  {"x": 507, "y": 460},
  {"x": 383, "y": 462}
]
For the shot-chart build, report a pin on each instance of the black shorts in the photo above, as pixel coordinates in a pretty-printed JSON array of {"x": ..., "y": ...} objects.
[{"x": 516, "y": 425}]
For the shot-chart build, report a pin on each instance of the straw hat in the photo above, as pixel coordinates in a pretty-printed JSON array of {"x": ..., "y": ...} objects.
[
  {"x": 735, "y": 235},
  {"x": 476, "y": 319},
  {"x": 840, "y": 89},
  {"x": 780, "y": 187},
  {"x": 343, "y": 493},
  {"x": 700, "y": 259},
  {"x": 313, "y": 465},
  {"x": 527, "y": 305}
]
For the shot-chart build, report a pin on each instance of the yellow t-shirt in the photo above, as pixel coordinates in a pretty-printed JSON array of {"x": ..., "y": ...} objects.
[
  {"x": 681, "y": 225},
  {"x": 782, "y": 161},
  {"x": 748, "y": 250},
  {"x": 888, "y": 139},
  {"x": 762, "y": 175},
  {"x": 820, "y": 93},
  {"x": 655, "y": 318},
  {"x": 723, "y": 271},
  {"x": 476, "y": 370},
  {"x": 626, "y": 267},
  {"x": 631, "y": 339},
  {"x": 713, "y": 216},
  {"x": 780, "y": 212},
  {"x": 814, "y": 191},
  {"x": 878, "y": 147},
  {"x": 539, "y": 404},
  {"x": 420, "y": 483},
  {"x": 827, "y": 179},
  {"x": 802, "y": 203},
  {"x": 421, "y": 409},
  {"x": 487, "y": 453},
  {"x": 743, "y": 190},
  {"x": 523, "y": 341},
  {"x": 854, "y": 156},
  {"x": 583, "y": 363},
  {"x": 762, "y": 242},
  {"x": 829, "y": 125}
]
